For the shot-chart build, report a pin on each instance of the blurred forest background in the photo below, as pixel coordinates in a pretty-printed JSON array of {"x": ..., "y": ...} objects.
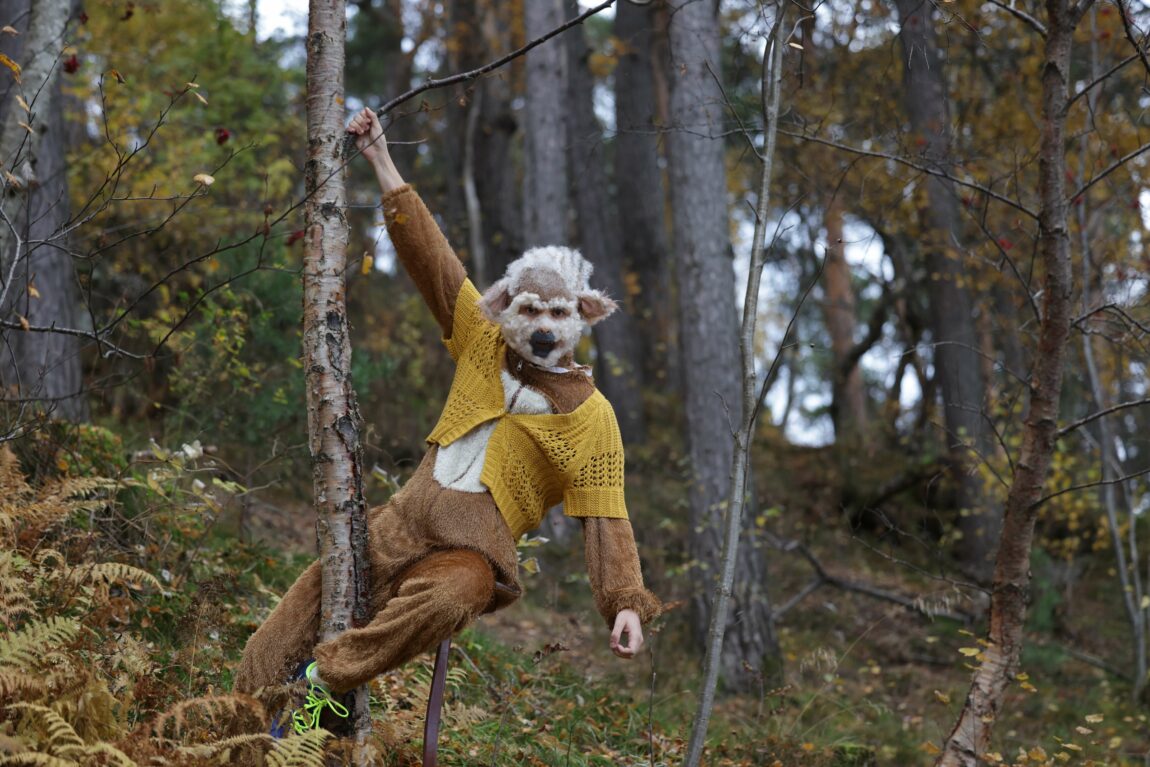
[{"x": 155, "y": 489}]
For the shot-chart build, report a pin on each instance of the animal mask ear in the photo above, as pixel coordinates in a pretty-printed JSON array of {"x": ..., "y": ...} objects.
[
  {"x": 495, "y": 300},
  {"x": 594, "y": 306}
]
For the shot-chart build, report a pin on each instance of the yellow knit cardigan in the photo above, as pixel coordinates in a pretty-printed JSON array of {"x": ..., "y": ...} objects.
[{"x": 533, "y": 461}]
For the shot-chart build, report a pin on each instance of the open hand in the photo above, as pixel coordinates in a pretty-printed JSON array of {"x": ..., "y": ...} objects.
[{"x": 627, "y": 622}]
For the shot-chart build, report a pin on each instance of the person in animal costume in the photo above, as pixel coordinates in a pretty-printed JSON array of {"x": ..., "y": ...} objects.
[{"x": 523, "y": 429}]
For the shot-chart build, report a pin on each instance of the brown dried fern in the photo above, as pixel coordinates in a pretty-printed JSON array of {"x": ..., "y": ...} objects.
[{"x": 216, "y": 715}]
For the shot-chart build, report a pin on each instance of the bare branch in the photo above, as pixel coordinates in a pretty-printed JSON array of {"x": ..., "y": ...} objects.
[
  {"x": 1021, "y": 15},
  {"x": 1127, "y": 27},
  {"x": 1110, "y": 169},
  {"x": 1100, "y": 414},
  {"x": 981, "y": 189},
  {"x": 493, "y": 65},
  {"x": 1103, "y": 77},
  {"x": 97, "y": 336},
  {"x": 1088, "y": 485}
]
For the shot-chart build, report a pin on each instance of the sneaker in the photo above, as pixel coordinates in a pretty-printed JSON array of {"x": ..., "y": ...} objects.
[{"x": 319, "y": 700}]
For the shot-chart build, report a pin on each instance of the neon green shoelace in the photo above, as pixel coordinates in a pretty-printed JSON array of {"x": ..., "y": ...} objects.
[{"x": 307, "y": 717}]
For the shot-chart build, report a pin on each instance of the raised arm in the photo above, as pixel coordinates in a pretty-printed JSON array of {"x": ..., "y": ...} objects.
[{"x": 420, "y": 245}]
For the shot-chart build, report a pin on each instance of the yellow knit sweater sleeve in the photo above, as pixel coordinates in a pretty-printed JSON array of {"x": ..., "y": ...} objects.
[
  {"x": 468, "y": 319},
  {"x": 595, "y": 488}
]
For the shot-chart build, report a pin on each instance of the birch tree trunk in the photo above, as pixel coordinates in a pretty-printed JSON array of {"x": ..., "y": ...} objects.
[
  {"x": 37, "y": 279},
  {"x": 334, "y": 422},
  {"x": 709, "y": 348},
  {"x": 600, "y": 237},
  {"x": 998, "y": 662}
]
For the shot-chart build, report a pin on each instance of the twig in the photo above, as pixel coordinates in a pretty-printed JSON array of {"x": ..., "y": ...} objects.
[
  {"x": 97, "y": 336},
  {"x": 1140, "y": 51},
  {"x": 1037, "y": 25},
  {"x": 1100, "y": 414},
  {"x": 1105, "y": 76},
  {"x": 474, "y": 73},
  {"x": 916, "y": 166},
  {"x": 1120, "y": 162},
  {"x": 1088, "y": 485}
]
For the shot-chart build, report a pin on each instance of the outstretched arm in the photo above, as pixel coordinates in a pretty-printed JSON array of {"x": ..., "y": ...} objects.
[
  {"x": 617, "y": 582},
  {"x": 420, "y": 245},
  {"x": 372, "y": 144}
]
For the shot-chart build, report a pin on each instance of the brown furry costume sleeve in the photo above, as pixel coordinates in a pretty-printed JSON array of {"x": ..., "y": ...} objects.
[
  {"x": 424, "y": 253},
  {"x": 613, "y": 566}
]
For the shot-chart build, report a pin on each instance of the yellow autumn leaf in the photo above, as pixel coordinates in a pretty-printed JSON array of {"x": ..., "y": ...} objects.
[
  {"x": 23, "y": 104},
  {"x": 941, "y": 697},
  {"x": 25, "y": 126},
  {"x": 969, "y": 652},
  {"x": 203, "y": 100},
  {"x": 13, "y": 180},
  {"x": 32, "y": 292},
  {"x": 24, "y": 322},
  {"x": 204, "y": 178},
  {"x": 1028, "y": 687},
  {"x": 8, "y": 29},
  {"x": 11, "y": 65},
  {"x": 1072, "y": 746},
  {"x": 930, "y": 748},
  {"x": 1094, "y": 718},
  {"x": 1083, "y": 730},
  {"x": 368, "y": 262},
  {"x": 1145, "y": 601}
]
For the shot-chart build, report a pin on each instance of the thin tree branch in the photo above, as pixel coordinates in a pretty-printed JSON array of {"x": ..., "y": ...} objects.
[
  {"x": 474, "y": 73},
  {"x": 1088, "y": 485},
  {"x": 1127, "y": 27},
  {"x": 1121, "y": 161},
  {"x": 97, "y": 336},
  {"x": 1023, "y": 16},
  {"x": 916, "y": 166},
  {"x": 1104, "y": 76},
  {"x": 1100, "y": 414}
]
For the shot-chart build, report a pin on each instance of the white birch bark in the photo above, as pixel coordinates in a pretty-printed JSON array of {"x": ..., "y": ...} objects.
[{"x": 333, "y": 416}]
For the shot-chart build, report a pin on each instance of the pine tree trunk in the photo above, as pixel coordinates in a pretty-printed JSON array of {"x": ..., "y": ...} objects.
[
  {"x": 709, "y": 347},
  {"x": 334, "y": 422},
  {"x": 545, "y": 199},
  {"x": 954, "y": 333},
  {"x": 849, "y": 402},
  {"x": 640, "y": 192},
  {"x": 617, "y": 341},
  {"x": 970, "y": 738},
  {"x": 38, "y": 281}
]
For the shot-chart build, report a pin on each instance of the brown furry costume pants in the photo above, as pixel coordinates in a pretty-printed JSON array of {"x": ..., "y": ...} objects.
[{"x": 425, "y": 604}]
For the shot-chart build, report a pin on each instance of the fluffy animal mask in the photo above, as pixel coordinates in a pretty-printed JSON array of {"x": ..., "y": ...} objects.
[{"x": 543, "y": 303}]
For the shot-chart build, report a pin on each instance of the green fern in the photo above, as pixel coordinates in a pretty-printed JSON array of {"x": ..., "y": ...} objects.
[
  {"x": 25, "y": 648},
  {"x": 306, "y": 750}
]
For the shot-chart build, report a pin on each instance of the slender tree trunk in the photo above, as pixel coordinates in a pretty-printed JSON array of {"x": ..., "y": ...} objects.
[
  {"x": 545, "y": 200},
  {"x": 639, "y": 189},
  {"x": 618, "y": 343},
  {"x": 496, "y": 183},
  {"x": 849, "y": 402},
  {"x": 952, "y": 306},
  {"x": 334, "y": 422},
  {"x": 740, "y": 458},
  {"x": 37, "y": 279},
  {"x": 708, "y": 335},
  {"x": 998, "y": 662}
]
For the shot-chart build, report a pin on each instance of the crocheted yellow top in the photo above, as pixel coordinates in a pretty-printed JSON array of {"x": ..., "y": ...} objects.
[{"x": 533, "y": 461}]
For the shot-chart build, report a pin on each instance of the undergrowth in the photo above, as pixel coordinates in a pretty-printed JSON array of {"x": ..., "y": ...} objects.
[{"x": 126, "y": 597}]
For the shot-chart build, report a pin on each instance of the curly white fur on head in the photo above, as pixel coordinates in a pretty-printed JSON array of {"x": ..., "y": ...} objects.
[{"x": 547, "y": 290}]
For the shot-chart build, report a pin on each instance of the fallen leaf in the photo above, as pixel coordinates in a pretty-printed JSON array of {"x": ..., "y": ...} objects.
[{"x": 969, "y": 652}]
